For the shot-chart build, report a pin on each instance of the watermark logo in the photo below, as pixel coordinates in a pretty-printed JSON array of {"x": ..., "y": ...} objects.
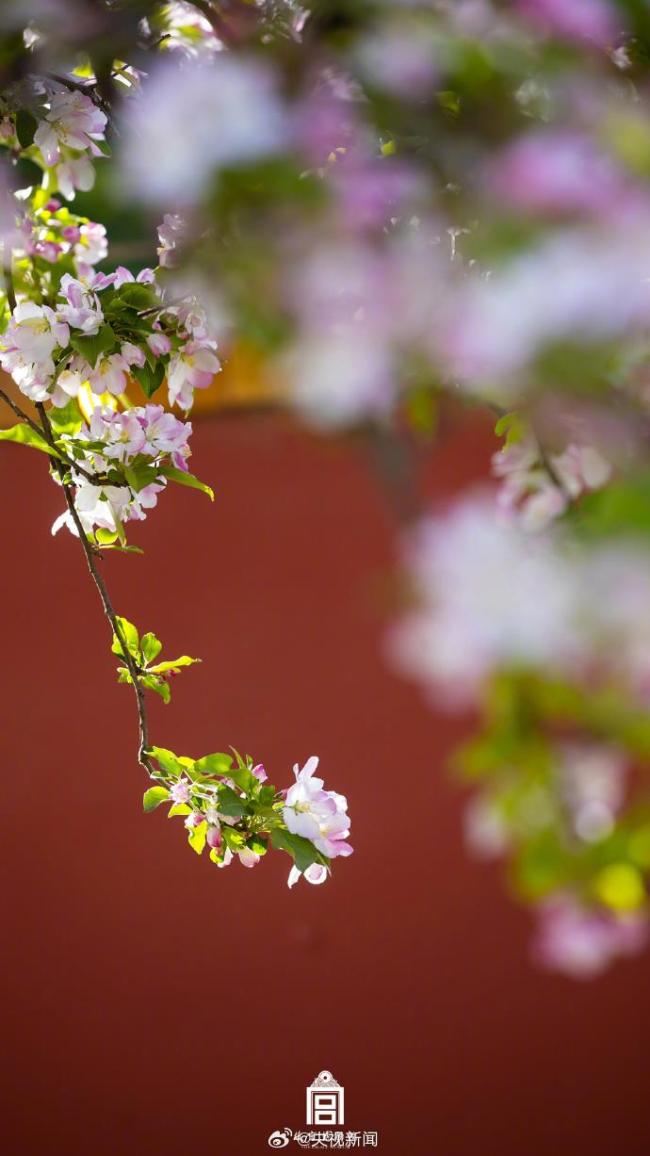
[
  {"x": 325, "y": 1101},
  {"x": 325, "y": 1112},
  {"x": 281, "y": 1138}
]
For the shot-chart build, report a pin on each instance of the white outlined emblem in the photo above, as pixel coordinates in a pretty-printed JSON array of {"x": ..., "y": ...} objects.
[{"x": 325, "y": 1101}]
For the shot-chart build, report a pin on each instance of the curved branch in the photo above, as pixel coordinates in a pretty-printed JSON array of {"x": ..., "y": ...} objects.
[{"x": 107, "y": 605}]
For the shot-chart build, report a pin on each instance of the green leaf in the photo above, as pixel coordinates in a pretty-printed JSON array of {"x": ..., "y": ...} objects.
[
  {"x": 26, "y": 126},
  {"x": 183, "y": 479},
  {"x": 257, "y": 844},
  {"x": 511, "y": 426},
  {"x": 140, "y": 476},
  {"x": 153, "y": 798},
  {"x": 149, "y": 378},
  {"x": 92, "y": 347},
  {"x": 217, "y": 764},
  {"x": 150, "y": 646},
  {"x": 196, "y": 838},
  {"x": 302, "y": 851},
  {"x": 66, "y": 419},
  {"x": 230, "y": 803},
  {"x": 234, "y": 840},
  {"x": 167, "y": 760},
  {"x": 24, "y": 435},
  {"x": 137, "y": 296},
  {"x": 184, "y": 660},
  {"x": 179, "y": 809},
  {"x": 131, "y": 637},
  {"x": 157, "y": 685}
]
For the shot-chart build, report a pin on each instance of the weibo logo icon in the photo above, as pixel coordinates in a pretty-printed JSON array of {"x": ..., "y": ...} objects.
[{"x": 281, "y": 1138}]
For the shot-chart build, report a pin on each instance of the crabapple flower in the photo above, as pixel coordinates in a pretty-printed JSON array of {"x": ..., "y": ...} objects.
[
  {"x": 82, "y": 309},
  {"x": 192, "y": 367},
  {"x": 315, "y": 874},
  {"x": 109, "y": 375},
  {"x": 316, "y": 814},
  {"x": 34, "y": 332},
  {"x": 72, "y": 121},
  {"x": 122, "y": 433},
  {"x": 247, "y": 857},
  {"x": 171, "y": 233},
  {"x": 180, "y": 791}
]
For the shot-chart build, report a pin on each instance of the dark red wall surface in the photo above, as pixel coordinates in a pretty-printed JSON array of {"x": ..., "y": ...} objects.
[{"x": 152, "y": 1005}]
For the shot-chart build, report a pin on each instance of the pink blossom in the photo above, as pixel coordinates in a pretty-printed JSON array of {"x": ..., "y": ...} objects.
[
  {"x": 180, "y": 791},
  {"x": 556, "y": 171},
  {"x": 214, "y": 837},
  {"x": 72, "y": 121},
  {"x": 315, "y": 814},
  {"x": 109, "y": 375},
  {"x": 82, "y": 309},
  {"x": 159, "y": 344},
  {"x": 133, "y": 354},
  {"x": 192, "y": 367},
  {"x": 121, "y": 433},
  {"x": 316, "y": 873},
  {"x": 586, "y": 21},
  {"x": 582, "y": 942}
]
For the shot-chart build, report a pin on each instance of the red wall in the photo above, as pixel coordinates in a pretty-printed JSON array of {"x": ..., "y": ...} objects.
[{"x": 152, "y": 1005}]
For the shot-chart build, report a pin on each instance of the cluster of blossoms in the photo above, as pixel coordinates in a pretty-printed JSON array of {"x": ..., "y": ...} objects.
[
  {"x": 230, "y": 808},
  {"x": 524, "y": 627},
  {"x": 102, "y": 329},
  {"x": 538, "y": 487},
  {"x": 76, "y": 341},
  {"x": 377, "y": 267},
  {"x": 125, "y": 454}
]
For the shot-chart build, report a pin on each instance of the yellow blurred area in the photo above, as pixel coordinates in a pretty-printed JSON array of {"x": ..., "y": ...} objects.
[{"x": 245, "y": 380}]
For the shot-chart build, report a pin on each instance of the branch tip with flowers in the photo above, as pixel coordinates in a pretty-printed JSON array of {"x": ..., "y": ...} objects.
[{"x": 74, "y": 339}]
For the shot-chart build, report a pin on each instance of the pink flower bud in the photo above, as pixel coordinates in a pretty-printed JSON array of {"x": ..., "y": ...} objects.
[
  {"x": 159, "y": 343},
  {"x": 214, "y": 838}
]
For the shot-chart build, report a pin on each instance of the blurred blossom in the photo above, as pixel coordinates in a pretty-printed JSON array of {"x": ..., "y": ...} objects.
[
  {"x": 592, "y": 784},
  {"x": 581, "y": 285},
  {"x": 487, "y": 595},
  {"x": 190, "y": 122},
  {"x": 187, "y": 30},
  {"x": 585, "y": 21},
  {"x": 538, "y": 487},
  {"x": 557, "y": 172},
  {"x": 401, "y": 59},
  {"x": 341, "y": 378},
  {"x": 487, "y": 833},
  {"x": 582, "y": 942}
]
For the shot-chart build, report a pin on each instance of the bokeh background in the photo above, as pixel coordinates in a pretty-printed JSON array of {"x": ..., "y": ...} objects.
[{"x": 155, "y": 1006}]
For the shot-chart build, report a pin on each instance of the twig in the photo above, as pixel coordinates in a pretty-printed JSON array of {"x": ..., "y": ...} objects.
[
  {"x": 95, "y": 479},
  {"x": 107, "y": 605}
]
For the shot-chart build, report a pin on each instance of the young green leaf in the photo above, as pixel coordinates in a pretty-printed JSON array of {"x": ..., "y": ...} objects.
[
  {"x": 167, "y": 760},
  {"x": 217, "y": 764},
  {"x": 183, "y": 479},
  {"x": 150, "y": 646},
  {"x": 196, "y": 838},
  {"x": 24, "y": 435},
  {"x": 301, "y": 850},
  {"x": 175, "y": 664},
  {"x": 153, "y": 798}
]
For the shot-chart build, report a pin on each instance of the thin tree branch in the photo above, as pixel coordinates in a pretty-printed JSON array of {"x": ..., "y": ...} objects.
[
  {"x": 107, "y": 605},
  {"x": 95, "y": 479}
]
